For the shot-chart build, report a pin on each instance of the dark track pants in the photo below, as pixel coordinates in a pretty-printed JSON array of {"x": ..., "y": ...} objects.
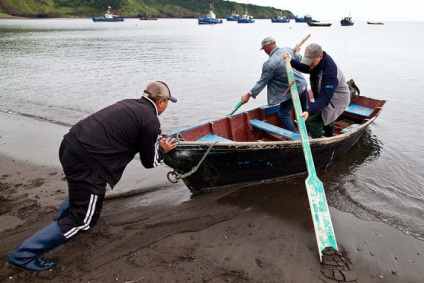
[{"x": 86, "y": 194}]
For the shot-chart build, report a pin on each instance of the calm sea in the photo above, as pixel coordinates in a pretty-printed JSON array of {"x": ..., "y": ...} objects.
[{"x": 61, "y": 70}]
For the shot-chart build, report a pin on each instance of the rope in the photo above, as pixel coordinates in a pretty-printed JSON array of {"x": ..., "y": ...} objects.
[{"x": 192, "y": 171}]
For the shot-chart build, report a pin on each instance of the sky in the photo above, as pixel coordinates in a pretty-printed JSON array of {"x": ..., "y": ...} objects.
[{"x": 360, "y": 10}]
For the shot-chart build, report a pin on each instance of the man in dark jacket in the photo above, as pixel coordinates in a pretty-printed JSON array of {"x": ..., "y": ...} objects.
[
  {"x": 329, "y": 87},
  {"x": 94, "y": 153}
]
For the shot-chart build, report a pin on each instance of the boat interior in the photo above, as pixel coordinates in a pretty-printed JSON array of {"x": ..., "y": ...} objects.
[{"x": 262, "y": 124}]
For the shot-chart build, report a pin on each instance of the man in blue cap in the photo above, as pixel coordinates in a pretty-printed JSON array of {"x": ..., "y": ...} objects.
[{"x": 274, "y": 77}]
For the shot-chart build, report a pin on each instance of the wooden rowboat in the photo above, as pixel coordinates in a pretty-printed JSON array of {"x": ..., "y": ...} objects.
[{"x": 251, "y": 147}]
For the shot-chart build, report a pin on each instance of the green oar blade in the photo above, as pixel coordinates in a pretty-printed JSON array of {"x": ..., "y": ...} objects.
[{"x": 323, "y": 226}]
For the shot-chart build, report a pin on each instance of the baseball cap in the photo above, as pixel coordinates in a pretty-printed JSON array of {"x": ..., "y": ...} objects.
[
  {"x": 266, "y": 41},
  {"x": 158, "y": 89},
  {"x": 312, "y": 51}
]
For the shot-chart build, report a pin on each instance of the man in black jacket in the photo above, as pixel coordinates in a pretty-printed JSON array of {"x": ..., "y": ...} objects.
[{"x": 94, "y": 153}]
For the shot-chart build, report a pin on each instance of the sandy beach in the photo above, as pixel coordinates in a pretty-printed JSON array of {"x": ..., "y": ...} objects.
[{"x": 157, "y": 232}]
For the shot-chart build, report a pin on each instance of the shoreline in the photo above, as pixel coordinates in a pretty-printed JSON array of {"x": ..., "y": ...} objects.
[{"x": 160, "y": 233}]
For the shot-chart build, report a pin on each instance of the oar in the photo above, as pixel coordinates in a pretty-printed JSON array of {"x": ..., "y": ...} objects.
[
  {"x": 323, "y": 226},
  {"x": 302, "y": 41},
  {"x": 240, "y": 103}
]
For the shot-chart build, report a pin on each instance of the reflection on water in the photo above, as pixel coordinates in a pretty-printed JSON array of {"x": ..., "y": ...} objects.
[
  {"x": 349, "y": 187},
  {"x": 271, "y": 197}
]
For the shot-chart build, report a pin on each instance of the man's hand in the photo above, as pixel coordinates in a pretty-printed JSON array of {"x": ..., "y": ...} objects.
[
  {"x": 286, "y": 55},
  {"x": 305, "y": 115},
  {"x": 168, "y": 144},
  {"x": 245, "y": 98}
]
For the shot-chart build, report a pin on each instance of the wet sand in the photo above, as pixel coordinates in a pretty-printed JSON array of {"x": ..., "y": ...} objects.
[{"x": 151, "y": 231}]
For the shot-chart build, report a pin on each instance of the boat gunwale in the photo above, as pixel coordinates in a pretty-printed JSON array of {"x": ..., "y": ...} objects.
[{"x": 322, "y": 140}]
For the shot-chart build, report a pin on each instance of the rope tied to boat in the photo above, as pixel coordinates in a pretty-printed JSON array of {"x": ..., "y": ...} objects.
[{"x": 178, "y": 176}]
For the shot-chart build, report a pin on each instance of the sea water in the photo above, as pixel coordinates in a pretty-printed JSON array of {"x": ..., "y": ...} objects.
[{"x": 61, "y": 70}]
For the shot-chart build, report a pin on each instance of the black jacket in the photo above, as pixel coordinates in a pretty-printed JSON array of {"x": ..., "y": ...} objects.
[{"x": 109, "y": 139}]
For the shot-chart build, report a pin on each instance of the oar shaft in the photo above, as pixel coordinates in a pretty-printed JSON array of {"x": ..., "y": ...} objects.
[
  {"x": 302, "y": 41},
  {"x": 300, "y": 120}
]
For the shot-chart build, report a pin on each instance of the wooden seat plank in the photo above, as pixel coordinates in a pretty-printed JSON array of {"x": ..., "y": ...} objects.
[{"x": 264, "y": 126}]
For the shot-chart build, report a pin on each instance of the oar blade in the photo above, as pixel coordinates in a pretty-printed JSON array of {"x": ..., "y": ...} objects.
[
  {"x": 321, "y": 218},
  {"x": 240, "y": 103}
]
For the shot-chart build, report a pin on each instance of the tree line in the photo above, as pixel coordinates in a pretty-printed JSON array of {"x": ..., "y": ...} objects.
[{"x": 134, "y": 8}]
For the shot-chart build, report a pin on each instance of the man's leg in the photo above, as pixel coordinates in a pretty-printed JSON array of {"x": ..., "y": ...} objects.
[
  {"x": 315, "y": 125},
  {"x": 284, "y": 115},
  {"x": 63, "y": 209},
  {"x": 86, "y": 194},
  {"x": 329, "y": 129}
]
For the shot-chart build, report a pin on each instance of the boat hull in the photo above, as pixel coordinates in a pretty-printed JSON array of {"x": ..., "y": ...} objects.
[
  {"x": 275, "y": 20},
  {"x": 346, "y": 23},
  {"x": 232, "y": 19},
  {"x": 208, "y": 21},
  {"x": 317, "y": 24},
  {"x": 236, "y": 164},
  {"x": 245, "y": 21},
  {"x": 103, "y": 19}
]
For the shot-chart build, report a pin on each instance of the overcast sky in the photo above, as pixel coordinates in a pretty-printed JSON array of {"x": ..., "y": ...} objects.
[{"x": 361, "y": 10}]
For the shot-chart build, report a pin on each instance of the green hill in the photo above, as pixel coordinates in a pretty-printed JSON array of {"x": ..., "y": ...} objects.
[{"x": 132, "y": 8}]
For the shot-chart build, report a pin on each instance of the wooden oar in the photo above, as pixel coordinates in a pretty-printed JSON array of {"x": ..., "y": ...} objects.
[
  {"x": 240, "y": 103},
  {"x": 323, "y": 226},
  {"x": 302, "y": 41}
]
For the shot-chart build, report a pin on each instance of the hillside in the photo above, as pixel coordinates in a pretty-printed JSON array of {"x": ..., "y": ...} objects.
[{"x": 131, "y": 8}]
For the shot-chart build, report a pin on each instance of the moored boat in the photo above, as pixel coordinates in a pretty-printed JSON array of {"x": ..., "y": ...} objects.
[
  {"x": 280, "y": 19},
  {"x": 305, "y": 19},
  {"x": 210, "y": 18},
  {"x": 375, "y": 23},
  {"x": 108, "y": 17},
  {"x": 347, "y": 21},
  {"x": 251, "y": 147},
  {"x": 318, "y": 24},
  {"x": 234, "y": 17},
  {"x": 148, "y": 19},
  {"x": 245, "y": 19}
]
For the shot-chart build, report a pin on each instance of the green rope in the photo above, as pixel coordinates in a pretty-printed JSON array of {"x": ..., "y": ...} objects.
[{"x": 193, "y": 170}]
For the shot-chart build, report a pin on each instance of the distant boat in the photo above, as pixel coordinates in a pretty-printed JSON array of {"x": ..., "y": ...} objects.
[
  {"x": 147, "y": 19},
  {"x": 375, "y": 23},
  {"x": 305, "y": 19},
  {"x": 108, "y": 17},
  {"x": 234, "y": 17},
  {"x": 318, "y": 24},
  {"x": 210, "y": 18},
  {"x": 280, "y": 19},
  {"x": 346, "y": 21},
  {"x": 245, "y": 19}
]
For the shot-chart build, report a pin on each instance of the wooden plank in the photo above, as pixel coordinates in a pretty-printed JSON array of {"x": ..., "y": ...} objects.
[
  {"x": 264, "y": 126},
  {"x": 349, "y": 128},
  {"x": 359, "y": 110}
]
